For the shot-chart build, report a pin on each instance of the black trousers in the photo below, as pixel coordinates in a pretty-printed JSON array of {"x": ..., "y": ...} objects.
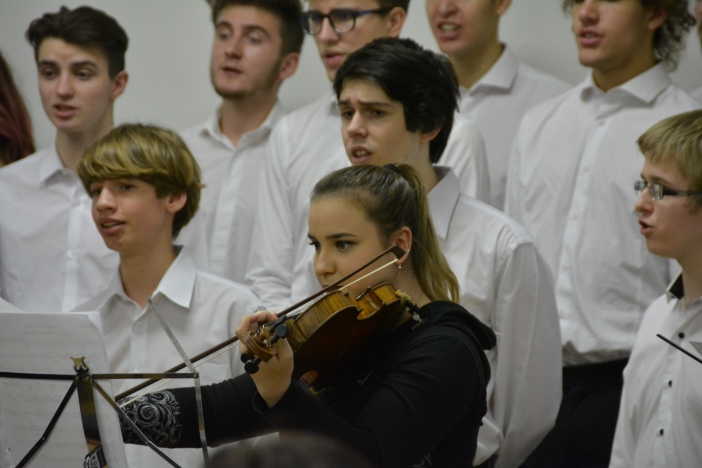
[{"x": 587, "y": 419}]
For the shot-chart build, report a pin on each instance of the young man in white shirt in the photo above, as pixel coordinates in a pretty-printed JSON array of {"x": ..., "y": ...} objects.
[
  {"x": 496, "y": 87},
  {"x": 504, "y": 280},
  {"x": 51, "y": 257},
  {"x": 255, "y": 48},
  {"x": 660, "y": 413},
  {"x": 145, "y": 186},
  {"x": 306, "y": 145},
  {"x": 569, "y": 182}
]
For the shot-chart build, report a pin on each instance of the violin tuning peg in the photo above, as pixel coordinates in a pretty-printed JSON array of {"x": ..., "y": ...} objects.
[
  {"x": 251, "y": 367},
  {"x": 246, "y": 357},
  {"x": 282, "y": 331}
]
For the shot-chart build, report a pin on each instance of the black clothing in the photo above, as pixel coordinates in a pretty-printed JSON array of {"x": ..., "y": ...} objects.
[
  {"x": 584, "y": 430},
  {"x": 417, "y": 396}
]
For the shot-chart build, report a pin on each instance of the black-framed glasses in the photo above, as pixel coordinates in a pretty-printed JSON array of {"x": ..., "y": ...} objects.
[
  {"x": 658, "y": 191},
  {"x": 341, "y": 20}
]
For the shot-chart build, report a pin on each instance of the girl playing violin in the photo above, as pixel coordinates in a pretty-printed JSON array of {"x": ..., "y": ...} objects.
[{"x": 415, "y": 397}]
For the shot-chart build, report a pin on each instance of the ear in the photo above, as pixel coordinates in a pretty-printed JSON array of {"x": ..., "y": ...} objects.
[
  {"x": 175, "y": 202},
  {"x": 288, "y": 66},
  {"x": 403, "y": 239},
  {"x": 501, "y": 6},
  {"x": 396, "y": 19},
  {"x": 658, "y": 17},
  {"x": 119, "y": 83},
  {"x": 427, "y": 137}
]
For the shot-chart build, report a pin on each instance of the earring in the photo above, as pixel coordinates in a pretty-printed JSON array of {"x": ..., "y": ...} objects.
[{"x": 399, "y": 266}]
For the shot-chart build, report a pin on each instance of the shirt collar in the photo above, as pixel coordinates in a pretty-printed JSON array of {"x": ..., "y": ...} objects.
[
  {"x": 644, "y": 87},
  {"x": 212, "y": 128},
  {"x": 676, "y": 290},
  {"x": 50, "y": 165},
  {"x": 443, "y": 199},
  {"x": 177, "y": 284},
  {"x": 501, "y": 75},
  {"x": 179, "y": 281}
]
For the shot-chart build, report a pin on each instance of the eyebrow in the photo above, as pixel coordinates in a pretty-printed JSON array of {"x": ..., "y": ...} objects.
[
  {"x": 73, "y": 64},
  {"x": 656, "y": 180},
  {"x": 333, "y": 236},
  {"x": 246, "y": 27},
  {"x": 345, "y": 102}
]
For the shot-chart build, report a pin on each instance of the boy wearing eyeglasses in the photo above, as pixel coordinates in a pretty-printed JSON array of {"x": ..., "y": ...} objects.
[
  {"x": 306, "y": 145},
  {"x": 660, "y": 415}
]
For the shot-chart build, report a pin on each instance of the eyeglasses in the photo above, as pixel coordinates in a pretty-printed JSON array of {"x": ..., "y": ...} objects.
[
  {"x": 341, "y": 20},
  {"x": 658, "y": 191}
]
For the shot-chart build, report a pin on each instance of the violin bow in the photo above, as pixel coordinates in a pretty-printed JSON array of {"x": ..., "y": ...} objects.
[{"x": 397, "y": 251}]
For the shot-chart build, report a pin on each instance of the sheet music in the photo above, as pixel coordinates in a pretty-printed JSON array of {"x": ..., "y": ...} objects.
[{"x": 44, "y": 343}]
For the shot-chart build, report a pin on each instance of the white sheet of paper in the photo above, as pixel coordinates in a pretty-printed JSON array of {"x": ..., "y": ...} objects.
[{"x": 44, "y": 343}]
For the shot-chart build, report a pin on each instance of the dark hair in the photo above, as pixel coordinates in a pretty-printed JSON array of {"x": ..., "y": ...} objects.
[
  {"x": 287, "y": 12},
  {"x": 404, "y": 4},
  {"x": 422, "y": 81},
  {"x": 391, "y": 197},
  {"x": 668, "y": 39},
  {"x": 15, "y": 126},
  {"x": 82, "y": 26}
]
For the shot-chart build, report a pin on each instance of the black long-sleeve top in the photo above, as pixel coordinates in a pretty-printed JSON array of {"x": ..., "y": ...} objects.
[{"x": 418, "y": 396}]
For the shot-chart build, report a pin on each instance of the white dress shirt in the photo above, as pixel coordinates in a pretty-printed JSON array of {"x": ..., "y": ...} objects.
[
  {"x": 305, "y": 146},
  {"x": 52, "y": 257},
  {"x": 5, "y": 456},
  {"x": 660, "y": 415},
  {"x": 201, "y": 309},
  {"x": 697, "y": 94},
  {"x": 570, "y": 184},
  {"x": 497, "y": 102},
  {"x": 229, "y": 202}
]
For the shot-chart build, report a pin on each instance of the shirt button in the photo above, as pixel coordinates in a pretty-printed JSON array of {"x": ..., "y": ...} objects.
[
  {"x": 70, "y": 255},
  {"x": 586, "y": 169},
  {"x": 670, "y": 383},
  {"x": 566, "y": 266},
  {"x": 76, "y": 202},
  {"x": 661, "y": 431},
  {"x": 601, "y": 123},
  {"x": 681, "y": 335},
  {"x": 575, "y": 217}
]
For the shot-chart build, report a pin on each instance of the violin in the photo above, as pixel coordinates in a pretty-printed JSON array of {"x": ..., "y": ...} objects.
[
  {"x": 336, "y": 318},
  {"x": 329, "y": 333}
]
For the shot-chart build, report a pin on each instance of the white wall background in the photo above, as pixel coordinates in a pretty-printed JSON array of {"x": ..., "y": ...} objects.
[{"x": 170, "y": 40}]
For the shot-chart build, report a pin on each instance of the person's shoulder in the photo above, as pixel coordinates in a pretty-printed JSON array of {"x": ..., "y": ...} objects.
[
  {"x": 540, "y": 77},
  {"x": 304, "y": 116},
  {"x": 17, "y": 171},
  {"x": 218, "y": 287},
  {"x": 485, "y": 218},
  {"x": 448, "y": 318},
  {"x": 678, "y": 100}
]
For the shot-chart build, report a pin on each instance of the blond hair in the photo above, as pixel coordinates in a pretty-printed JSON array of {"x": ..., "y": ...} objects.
[
  {"x": 392, "y": 197},
  {"x": 678, "y": 139},
  {"x": 149, "y": 153}
]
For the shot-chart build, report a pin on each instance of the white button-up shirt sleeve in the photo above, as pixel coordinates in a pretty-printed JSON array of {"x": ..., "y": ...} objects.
[
  {"x": 272, "y": 260},
  {"x": 465, "y": 154}
]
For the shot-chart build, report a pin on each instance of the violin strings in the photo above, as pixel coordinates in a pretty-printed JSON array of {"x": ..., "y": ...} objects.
[
  {"x": 166, "y": 381},
  {"x": 369, "y": 274}
]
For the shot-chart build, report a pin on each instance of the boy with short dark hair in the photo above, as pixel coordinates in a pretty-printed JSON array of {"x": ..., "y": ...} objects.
[
  {"x": 145, "y": 186},
  {"x": 660, "y": 415},
  {"x": 388, "y": 119},
  {"x": 53, "y": 259}
]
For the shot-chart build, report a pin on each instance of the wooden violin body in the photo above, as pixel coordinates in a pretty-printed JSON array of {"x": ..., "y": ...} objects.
[{"x": 332, "y": 331}]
